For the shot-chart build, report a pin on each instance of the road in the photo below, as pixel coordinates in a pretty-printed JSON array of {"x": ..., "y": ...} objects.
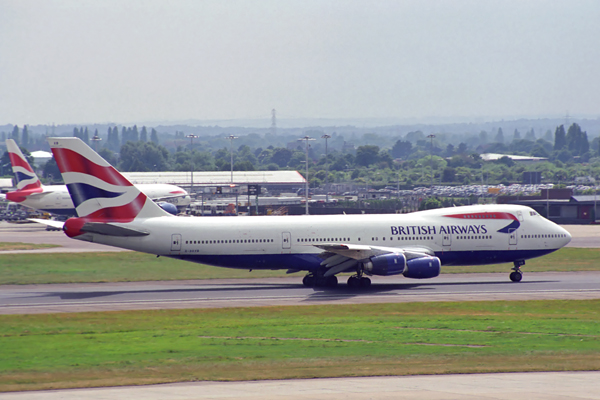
[{"x": 515, "y": 386}]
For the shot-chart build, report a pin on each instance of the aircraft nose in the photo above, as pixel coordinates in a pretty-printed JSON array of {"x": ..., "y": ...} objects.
[{"x": 566, "y": 234}]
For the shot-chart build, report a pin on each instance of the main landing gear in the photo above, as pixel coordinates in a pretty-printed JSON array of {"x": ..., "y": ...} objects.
[
  {"x": 317, "y": 279},
  {"x": 312, "y": 280},
  {"x": 356, "y": 281},
  {"x": 517, "y": 275}
]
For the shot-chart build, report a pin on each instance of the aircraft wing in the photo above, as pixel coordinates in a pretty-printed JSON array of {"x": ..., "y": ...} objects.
[
  {"x": 163, "y": 198},
  {"x": 340, "y": 257}
]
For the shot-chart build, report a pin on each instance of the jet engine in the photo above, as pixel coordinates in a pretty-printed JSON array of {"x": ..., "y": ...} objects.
[
  {"x": 422, "y": 268},
  {"x": 385, "y": 265},
  {"x": 168, "y": 207}
]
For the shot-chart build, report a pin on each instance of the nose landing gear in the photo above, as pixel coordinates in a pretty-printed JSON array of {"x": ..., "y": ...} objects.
[{"x": 517, "y": 275}]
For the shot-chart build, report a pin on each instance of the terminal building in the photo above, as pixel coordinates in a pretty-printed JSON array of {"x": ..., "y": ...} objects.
[
  {"x": 217, "y": 182},
  {"x": 559, "y": 205}
]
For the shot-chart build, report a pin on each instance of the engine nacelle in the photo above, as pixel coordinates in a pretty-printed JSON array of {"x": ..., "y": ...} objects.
[
  {"x": 385, "y": 265},
  {"x": 423, "y": 268},
  {"x": 168, "y": 207}
]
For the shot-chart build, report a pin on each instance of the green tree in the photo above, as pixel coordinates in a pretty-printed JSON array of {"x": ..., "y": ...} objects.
[
  {"x": 430, "y": 204},
  {"x": 367, "y": 155},
  {"x": 85, "y": 136},
  {"x": 15, "y": 134},
  {"x": 143, "y": 157},
  {"x": 499, "y": 136},
  {"x": 154, "y": 136},
  {"x": 560, "y": 140},
  {"x": 530, "y": 135},
  {"x": 577, "y": 141},
  {"x": 108, "y": 155},
  {"x": 281, "y": 156},
  {"x": 401, "y": 149},
  {"x": 144, "y": 134},
  {"x": 25, "y": 137},
  {"x": 51, "y": 172}
]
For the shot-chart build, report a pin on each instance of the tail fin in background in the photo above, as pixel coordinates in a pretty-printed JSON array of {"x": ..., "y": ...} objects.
[
  {"x": 99, "y": 192},
  {"x": 26, "y": 178}
]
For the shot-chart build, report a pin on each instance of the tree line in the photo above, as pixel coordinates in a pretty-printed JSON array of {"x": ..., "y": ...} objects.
[{"x": 412, "y": 160}]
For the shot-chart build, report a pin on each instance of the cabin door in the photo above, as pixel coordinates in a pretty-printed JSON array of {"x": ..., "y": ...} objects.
[
  {"x": 512, "y": 237},
  {"x": 286, "y": 240},
  {"x": 176, "y": 242},
  {"x": 446, "y": 240}
]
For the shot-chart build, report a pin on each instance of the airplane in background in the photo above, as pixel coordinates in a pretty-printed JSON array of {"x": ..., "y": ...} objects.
[
  {"x": 112, "y": 211},
  {"x": 55, "y": 199}
]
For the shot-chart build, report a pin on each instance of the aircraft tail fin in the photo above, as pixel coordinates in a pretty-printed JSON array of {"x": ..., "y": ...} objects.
[
  {"x": 24, "y": 174},
  {"x": 99, "y": 192}
]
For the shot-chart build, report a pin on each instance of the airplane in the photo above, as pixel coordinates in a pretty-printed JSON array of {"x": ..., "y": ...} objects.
[
  {"x": 112, "y": 211},
  {"x": 55, "y": 199}
]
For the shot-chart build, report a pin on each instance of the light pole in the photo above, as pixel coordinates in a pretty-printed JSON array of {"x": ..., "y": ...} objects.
[
  {"x": 431, "y": 159},
  {"x": 231, "y": 138},
  {"x": 192, "y": 137},
  {"x": 95, "y": 139},
  {"x": 326, "y": 136},
  {"x": 306, "y": 139}
]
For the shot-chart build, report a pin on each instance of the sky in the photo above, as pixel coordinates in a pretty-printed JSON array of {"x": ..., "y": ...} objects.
[{"x": 127, "y": 61}]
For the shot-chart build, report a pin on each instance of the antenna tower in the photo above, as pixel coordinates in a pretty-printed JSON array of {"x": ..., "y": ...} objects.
[{"x": 273, "y": 122}]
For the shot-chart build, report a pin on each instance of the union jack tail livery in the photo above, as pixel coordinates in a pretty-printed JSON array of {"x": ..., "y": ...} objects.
[
  {"x": 99, "y": 192},
  {"x": 26, "y": 178}
]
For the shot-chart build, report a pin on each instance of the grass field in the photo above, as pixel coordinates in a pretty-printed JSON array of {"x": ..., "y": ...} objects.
[
  {"x": 4, "y": 246},
  {"x": 141, "y": 347},
  {"x": 133, "y": 266}
]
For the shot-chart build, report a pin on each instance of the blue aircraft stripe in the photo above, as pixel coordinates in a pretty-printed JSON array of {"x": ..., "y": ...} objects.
[
  {"x": 81, "y": 192},
  {"x": 311, "y": 262},
  {"x": 21, "y": 176},
  {"x": 514, "y": 225}
]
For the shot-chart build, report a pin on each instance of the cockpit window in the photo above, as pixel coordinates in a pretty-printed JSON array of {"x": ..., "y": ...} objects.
[{"x": 533, "y": 213}]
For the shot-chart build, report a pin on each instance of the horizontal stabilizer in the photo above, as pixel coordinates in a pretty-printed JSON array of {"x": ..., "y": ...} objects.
[
  {"x": 50, "y": 222},
  {"x": 111, "y": 230}
]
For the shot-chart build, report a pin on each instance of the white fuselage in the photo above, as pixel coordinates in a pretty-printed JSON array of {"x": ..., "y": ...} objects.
[
  {"x": 470, "y": 235},
  {"x": 56, "y": 199}
]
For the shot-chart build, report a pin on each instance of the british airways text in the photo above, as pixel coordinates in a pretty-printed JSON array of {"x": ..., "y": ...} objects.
[{"x": 432, "y": 230}]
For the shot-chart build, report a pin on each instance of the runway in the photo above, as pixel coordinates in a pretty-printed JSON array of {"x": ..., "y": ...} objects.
[{"x": 26, "y": 299}]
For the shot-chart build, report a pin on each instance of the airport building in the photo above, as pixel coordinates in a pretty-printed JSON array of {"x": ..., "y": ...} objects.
[
  {"x": 560, "y": 205},
  {"x": 222, "y": 182}
]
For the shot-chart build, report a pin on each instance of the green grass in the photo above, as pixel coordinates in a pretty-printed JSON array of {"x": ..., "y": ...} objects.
[
  {"x": 137, "y": 347},
  {"x": 133, "y": 266},
  {"x": 6, "y": 246}
]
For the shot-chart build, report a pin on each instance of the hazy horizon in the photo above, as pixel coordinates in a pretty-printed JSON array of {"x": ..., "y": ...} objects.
[{"x": 133, "y": 61}]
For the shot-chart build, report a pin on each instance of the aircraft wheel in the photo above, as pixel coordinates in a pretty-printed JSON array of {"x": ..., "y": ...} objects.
[
  {"x": 516, "y": 276},
  {"x": 353, "y": 282},
  {"x": 331, "y": 281},
  {"x": 309, "y": 281},
  {"x": 365, "y": 282}
]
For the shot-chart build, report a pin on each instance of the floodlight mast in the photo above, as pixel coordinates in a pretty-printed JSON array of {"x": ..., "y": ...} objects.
[
  {"x": 192, "y": 137},
  {"x": 326, "y": 136},
  {"x": 231, "y": 138},
  {"x": 306, "y": 139}
]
